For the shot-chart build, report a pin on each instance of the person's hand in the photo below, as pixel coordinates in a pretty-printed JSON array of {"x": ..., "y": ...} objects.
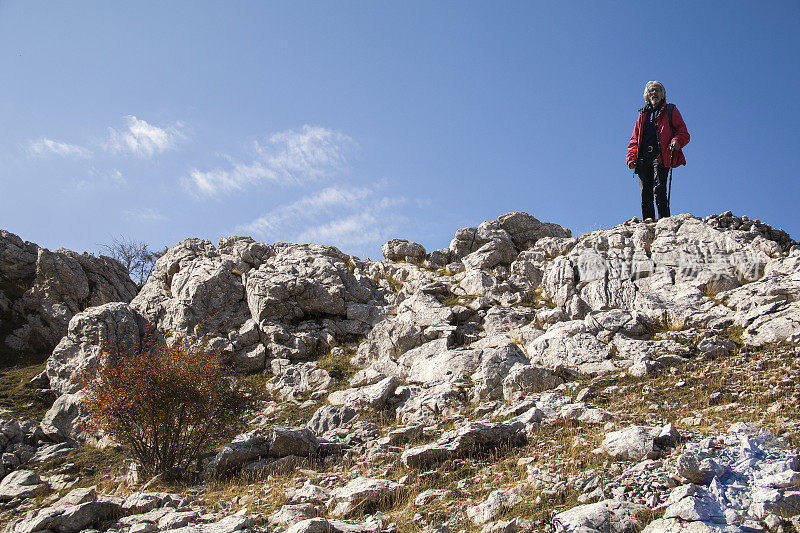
[
  {"x": 674, "y": 145},
  {"x": 632, "y": 164}
]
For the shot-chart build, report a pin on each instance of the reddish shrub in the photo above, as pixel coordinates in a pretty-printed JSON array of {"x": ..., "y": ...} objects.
[{"x": 166, "y": 402}]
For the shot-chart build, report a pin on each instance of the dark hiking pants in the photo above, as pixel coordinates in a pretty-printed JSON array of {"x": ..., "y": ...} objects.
[{"x": 653, "y": 182}]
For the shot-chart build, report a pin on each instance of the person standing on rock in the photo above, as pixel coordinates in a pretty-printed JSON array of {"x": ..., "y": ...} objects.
[{"x": 659, "y": 136}]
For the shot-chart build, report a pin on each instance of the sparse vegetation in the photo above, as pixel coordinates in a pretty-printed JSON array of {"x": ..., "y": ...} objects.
[
  {"x": 17, "y": 396},
  {"x": 394, "y": 284},
  {"x": 337, "y": 363},
  {"x": 453, "y": 300},
  {"x": 90, "y": 465}
]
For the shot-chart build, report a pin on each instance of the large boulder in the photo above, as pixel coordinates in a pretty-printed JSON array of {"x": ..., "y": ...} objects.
[
  {"x": 573, "y": 345},
  {"x": 371, "y": 397},
  {"x": 525, "y": 230},
  {"x": 361, "y": 492},
  {"x": 112, "y": 327},
  {"x": 194, "y": 289},
  {"x": 671, "y": 268},
  {"x": 20, "y": 484},
  {"x": 638, "y": 442},
  {"x": 403, "y": 250}
]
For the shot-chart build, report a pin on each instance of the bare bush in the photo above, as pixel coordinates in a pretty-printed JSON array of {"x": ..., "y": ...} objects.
[{"x": 135, "y": 256}]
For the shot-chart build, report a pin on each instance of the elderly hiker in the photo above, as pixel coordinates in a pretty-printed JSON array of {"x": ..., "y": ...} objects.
[{"x": 656, "y": 146}]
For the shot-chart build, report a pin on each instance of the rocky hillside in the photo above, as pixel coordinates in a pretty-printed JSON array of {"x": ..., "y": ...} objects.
[{"x": 522, "y": 379}]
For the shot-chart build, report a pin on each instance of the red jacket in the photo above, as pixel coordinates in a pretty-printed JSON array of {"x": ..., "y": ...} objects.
[{"x": 665, "y": 136}]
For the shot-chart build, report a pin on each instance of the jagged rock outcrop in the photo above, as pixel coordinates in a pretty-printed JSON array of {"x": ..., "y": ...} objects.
[
  {"x": 257, "y": 302},
  {"x": 40, "y": 291}
]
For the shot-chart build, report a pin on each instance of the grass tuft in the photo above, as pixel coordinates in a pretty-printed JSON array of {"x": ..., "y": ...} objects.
[{"x": 20, "y": 399}]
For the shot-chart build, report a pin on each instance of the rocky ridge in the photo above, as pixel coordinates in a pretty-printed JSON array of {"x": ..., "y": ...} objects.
[{"x": 476, "y": 362}]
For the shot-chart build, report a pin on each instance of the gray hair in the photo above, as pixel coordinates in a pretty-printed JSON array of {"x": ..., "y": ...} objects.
[{"x": 656, "y": 84}]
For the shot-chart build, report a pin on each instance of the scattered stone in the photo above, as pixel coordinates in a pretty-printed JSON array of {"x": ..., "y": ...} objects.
[
  {"x": 638, "y": 442},
  {"x": 474, "y": 437},
  {"x": 20, "y": 484},
  {"x": 362, "y": 492},
  {"x": 605, "y": 516}
]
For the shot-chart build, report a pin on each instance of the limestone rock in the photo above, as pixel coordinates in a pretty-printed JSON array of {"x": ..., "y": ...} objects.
[
  {"x": 402, "y": 250},
  {"x": 330, "y": 417},
  {"x": 523, "y": 380},
  {"x": 473, "y": 437},
  {"x": 697, "y": 467},
  {"x": 20, "y": 484},
  {"x": 43, "y": 290},
  {"x": 611, "y": 516},
  {"x": 427, "y": 404},
  {"x": 177, "y": 519},
  {"x": 64, "y": 420},
  {"x": 114, "y": 326},
  {"x": 299, "y": 379},
  {"x": 637, "y": 442},
  {"x": 322, "y": 525},
  {"x": 494, "y": 368},
  {"x": 694, "y": 503},
  {"x": 302, "y": 280},
  {"x": 229, "y": 524},
  {"x": 494, "y": 504},
  {"x": 288, "y": 515},
  {"x": 309, "y": 493},
  {"x": 273, "y": 442},
  {"x": 373, "y": 397},
  {"x": 571, "y": 344},
  {"x": 363, "y": 491},
  {"x": 525, "y": 230}
]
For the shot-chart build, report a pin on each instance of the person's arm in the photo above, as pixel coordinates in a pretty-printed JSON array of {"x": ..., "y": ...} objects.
[
  {"x": 681, "y": 136},
  {"x": 633, "y": 145}
]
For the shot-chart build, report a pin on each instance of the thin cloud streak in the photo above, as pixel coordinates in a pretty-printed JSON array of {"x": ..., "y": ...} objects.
[
  {"x": 306, "y": 207},
  {"x": 354, "y": 230},
  {"x": 144, "y": 214},
  {"x": 290, "y": 157},
  {"x": 100, "y": 180},
  {"x": 351, "y": 218},
  {"x": 45, "y": 146}
]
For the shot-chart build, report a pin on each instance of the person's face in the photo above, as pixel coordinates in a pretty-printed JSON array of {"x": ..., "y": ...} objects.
[{"x": 655, "y": 94}]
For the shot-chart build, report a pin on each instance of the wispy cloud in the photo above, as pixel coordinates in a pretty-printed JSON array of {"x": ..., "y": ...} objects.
[
  {"x": 101, "y": 180},
  {"x": 290, "y": 157},
  {"x": 144, "y": 214},
  {"x": 143, "y": 139},
  {"x": 283, "y": 217},
  {"x": 45, "y": 146},
  {"x": 358, "y": 229},
  {"x": 355, "y": 219}
]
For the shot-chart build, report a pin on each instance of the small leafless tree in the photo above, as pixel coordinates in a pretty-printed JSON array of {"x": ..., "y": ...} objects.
[{"x": 135, "y": 256}]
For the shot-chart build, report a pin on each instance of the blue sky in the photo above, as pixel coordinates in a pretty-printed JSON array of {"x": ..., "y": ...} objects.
[{"x": 349, "y": 123}]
